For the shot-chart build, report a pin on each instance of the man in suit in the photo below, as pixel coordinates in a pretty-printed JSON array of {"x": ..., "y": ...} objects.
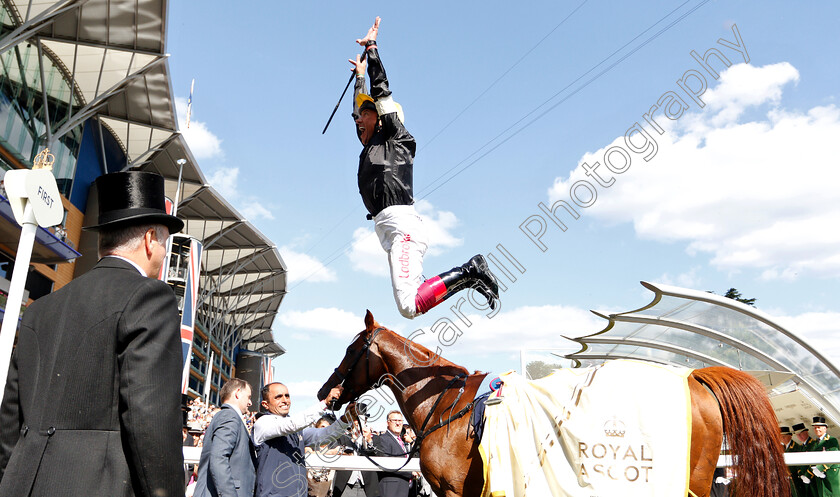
[
  {"x": 392, "y": 484},
  {"x": 227, "y": 466},
  {"x": 281, "y": 438},
  {"x": 92, "y": 403},
  {"x": 357, "y": 483},
  {"x": 802, "y": 475},
  {"x": 827, "y": 479}
]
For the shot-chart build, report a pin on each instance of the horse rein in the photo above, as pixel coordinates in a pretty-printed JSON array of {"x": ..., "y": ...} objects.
[
  {"x": 365, "y": 350},
  {"x": 423, "y": 432}
]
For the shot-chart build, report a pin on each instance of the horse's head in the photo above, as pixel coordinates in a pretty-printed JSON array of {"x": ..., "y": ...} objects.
[{"x": 361, "y": 368}]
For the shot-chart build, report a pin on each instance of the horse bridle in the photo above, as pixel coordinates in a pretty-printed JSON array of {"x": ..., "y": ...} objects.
[{"x": 365, "y": 350}]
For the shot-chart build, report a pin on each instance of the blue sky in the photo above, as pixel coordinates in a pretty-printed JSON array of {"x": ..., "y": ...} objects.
[{"x": 740, "y": 192}]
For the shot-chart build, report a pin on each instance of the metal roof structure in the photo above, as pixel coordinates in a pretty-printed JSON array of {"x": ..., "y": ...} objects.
[
  {"x": 697, "y": 329},
  {"x": 112, "y": 56}
]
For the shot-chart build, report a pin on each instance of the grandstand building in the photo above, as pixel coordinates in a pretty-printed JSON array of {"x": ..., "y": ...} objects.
[{"x": 89, "y": 79}]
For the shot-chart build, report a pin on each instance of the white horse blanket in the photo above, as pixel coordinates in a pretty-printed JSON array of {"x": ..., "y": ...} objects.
[{"x": 619, "y": 429}]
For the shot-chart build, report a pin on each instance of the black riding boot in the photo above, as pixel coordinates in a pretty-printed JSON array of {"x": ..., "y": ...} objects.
[{"x": 474, "y": 274}]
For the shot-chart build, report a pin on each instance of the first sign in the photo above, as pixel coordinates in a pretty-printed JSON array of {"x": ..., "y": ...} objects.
[{"x": 38, "y": 187}]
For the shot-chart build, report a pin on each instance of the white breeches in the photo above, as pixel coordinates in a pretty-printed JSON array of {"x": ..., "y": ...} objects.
[{"x": 403, "y": 236}]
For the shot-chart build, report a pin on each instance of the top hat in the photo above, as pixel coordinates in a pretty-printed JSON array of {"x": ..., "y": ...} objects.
[
  {"x": 785, "y": 430},
  {"x": 819, "y": 421},
  {"x": 799, "y": 427},
  {"x": 131, "y": 198}
]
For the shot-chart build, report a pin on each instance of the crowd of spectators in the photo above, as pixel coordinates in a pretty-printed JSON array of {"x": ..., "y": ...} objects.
[{"x": 199, "y": 415}]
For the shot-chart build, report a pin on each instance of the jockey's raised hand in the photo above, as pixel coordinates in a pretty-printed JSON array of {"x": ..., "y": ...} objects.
[
  {"x": 371, "y": 34},
  {"x": 360, "y": 65}
]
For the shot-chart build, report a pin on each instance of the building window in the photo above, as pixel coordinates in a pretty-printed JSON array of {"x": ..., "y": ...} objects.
[
  {"x": 22, "y": 110},
  {"x": 198, "y": 364},
  {"x": 195, "y": 384}
]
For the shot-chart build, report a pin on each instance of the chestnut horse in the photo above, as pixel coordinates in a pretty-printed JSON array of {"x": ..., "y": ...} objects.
[{"x": 436, "y": 396}]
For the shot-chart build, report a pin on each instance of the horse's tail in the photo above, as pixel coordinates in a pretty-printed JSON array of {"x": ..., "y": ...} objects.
[{"x": 751, "y": 429}]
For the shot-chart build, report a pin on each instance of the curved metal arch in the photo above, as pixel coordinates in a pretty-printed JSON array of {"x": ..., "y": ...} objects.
[
  {"x": 734, "y": 305},
  {"x": 649, "y": 344},
  {"x": 704, "y": 331}
]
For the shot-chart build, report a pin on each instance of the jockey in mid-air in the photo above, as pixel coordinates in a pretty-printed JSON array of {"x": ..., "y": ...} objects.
[{"x": 386, "y": 183}]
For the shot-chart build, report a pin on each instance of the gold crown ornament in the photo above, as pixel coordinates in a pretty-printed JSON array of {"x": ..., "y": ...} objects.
[{"x": 44, "y": 160}]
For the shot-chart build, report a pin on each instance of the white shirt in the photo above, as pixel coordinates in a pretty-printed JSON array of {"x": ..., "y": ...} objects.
[
  {"x": 136, "y": 266},
  {"x": 241, "y": 416},
  {"x": 272, "y": 425}
]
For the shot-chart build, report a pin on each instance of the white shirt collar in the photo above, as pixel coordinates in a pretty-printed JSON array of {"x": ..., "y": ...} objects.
[
  {"x": 236, "y": 409},
  {"x": 136, "y": 266}
]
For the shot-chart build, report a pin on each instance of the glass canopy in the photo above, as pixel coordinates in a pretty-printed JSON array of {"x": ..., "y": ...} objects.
[{"x": 697, "y": 329}]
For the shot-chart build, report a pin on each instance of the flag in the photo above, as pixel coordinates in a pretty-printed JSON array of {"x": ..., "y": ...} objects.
[
  {"x": 188, "y": 310},
  {"x": 267, "y": 371},
  {"x": 164, "y": 268},
  {"x": 189, "y": 102},
  {"x": 207, "y": 379}
]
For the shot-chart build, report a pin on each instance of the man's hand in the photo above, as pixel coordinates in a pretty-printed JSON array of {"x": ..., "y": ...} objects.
[
  {"x": 360, "y": 65},
  {"x": 371, "y": 34},
  {"x": 334, "y": 394}
]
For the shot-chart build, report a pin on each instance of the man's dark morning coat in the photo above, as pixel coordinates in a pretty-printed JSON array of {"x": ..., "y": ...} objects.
[{"x": 92, "y": 401}]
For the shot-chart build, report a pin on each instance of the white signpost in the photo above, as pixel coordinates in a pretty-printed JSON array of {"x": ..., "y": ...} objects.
[{"x": 33, "y": 195}]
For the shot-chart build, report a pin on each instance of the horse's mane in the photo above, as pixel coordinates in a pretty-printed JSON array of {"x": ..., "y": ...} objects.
[{"x": 423, "y": 356}]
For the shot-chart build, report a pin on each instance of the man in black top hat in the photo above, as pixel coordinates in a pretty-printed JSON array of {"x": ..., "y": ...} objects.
[
  {"x": 802, "y": 475},
  {"x": 92, "y": 400},
  {"x": 827, "y": 479}
]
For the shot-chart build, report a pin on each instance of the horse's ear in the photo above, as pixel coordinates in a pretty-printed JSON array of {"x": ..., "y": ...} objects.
[{"x": 370, "y": 323}]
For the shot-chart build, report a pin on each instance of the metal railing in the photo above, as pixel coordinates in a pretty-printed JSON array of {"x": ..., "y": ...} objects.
[{"x": 360, "y": 463}]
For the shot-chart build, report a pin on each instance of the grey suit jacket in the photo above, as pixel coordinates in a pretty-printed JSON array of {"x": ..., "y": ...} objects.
[
  {"x": 227, "y": 466},
  {"x": 92, "y": 405}
]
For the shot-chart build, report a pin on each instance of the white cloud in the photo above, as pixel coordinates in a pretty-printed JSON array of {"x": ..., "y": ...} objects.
[
  {"x": 303, "y": 266},
  {"x": 226, "y": 181},
  {"x": 688, "y": 279},
  {"x": 752, "y": 194},
  {"x": 366, "y": 253},
  {"x": 515, "y": 329},
  {"x": 254, "y": 210},
  {"x": 203, "y": 143},
  {"x": 439, "y": 226},
  {"x": 333, "y": 321},
  {"x": 743, "y": 86},
  {"x": 819, "y": 329}
]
